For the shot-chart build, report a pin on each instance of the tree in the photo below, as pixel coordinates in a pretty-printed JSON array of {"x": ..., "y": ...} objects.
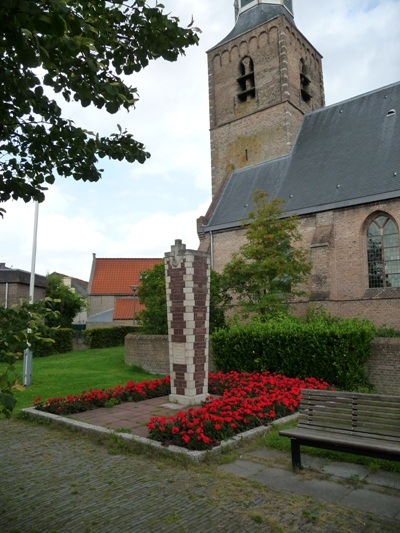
[
  {"x": 19, "y": 326},
  {"x": 152, "y": 293},
  {"x": 63, "y": 301},
  {"x": 264, "y": 274},
  {"x": 79, "y": 49}
]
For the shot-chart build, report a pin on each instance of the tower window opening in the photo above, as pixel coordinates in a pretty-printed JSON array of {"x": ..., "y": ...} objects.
[
  {"x": 246, "y": 81},
  {"x": 305, "y": 82}
]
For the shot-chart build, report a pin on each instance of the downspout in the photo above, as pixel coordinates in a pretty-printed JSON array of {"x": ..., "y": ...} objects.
[
  {"x": 211, "y": 249},
  {"x": 6, "y": 297}
]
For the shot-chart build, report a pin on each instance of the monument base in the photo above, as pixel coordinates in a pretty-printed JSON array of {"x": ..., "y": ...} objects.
[{"x": 188, "y": 400}]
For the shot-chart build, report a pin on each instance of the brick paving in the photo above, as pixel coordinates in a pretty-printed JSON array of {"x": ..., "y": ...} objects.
[
  {"x": 132, "y": 416},
  {"x": 57, "y": 482}
]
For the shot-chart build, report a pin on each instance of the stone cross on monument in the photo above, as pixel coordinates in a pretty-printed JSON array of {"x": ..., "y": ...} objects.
[{"x": 188, "y": 302}]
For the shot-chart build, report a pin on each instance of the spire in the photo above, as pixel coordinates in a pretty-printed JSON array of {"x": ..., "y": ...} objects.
[
  {"x": 244, "y": 5},
  {"x": 251, "y": 13}
]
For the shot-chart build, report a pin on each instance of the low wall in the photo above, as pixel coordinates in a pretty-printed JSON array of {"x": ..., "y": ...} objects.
[
  {"x": 383, "y": 367},
  {"x": 150, "y": 352}
]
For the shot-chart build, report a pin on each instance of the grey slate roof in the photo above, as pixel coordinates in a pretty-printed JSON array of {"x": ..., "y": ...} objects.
[
  {"x": 346, "y": 154},
  {"x": 254, "y": 17},
  {"x": 22, "y": 277}
]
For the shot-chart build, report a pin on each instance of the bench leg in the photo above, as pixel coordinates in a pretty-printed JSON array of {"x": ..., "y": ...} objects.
[{"x": 296, "y": 458}]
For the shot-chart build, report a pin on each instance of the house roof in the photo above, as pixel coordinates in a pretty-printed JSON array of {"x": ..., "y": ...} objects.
[
  {"x": 22, "y": 277},
  {"x": 115, "y": 276},
  {"x": 124, "y": 310},
  {"x": 345, "y": 155},
  {"x": 79, "y": 285}
]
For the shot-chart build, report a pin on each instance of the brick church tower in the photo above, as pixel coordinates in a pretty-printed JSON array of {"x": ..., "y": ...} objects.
[{"x": 263, "y": 77}]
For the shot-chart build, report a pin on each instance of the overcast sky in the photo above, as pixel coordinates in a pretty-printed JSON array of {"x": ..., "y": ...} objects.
[{"x": 139, "y": 210}]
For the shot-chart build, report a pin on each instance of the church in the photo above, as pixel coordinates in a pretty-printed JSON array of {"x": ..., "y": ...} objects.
[{"x": 337, "y": 168}]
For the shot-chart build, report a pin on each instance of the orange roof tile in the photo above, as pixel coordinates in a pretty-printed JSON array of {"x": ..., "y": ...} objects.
[
  {"x": 123, "y": 309},
  {"x": 115, "y": 276}
]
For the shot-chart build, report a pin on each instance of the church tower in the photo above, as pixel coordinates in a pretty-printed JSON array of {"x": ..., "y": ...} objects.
[{"x": 263, "y": 77}]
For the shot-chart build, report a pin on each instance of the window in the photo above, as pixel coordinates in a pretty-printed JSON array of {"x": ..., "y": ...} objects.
[
  {"x": 247, "y": 88},
  {"x": 383, "y": 253}
]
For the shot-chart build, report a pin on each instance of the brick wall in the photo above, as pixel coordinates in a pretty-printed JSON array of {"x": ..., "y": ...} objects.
[
  {"x": 150, "y": 352},
  {"x": 100, "y": 303},
  {"x": 383, "y": 368},
  {"x": 18, "y": 291}
]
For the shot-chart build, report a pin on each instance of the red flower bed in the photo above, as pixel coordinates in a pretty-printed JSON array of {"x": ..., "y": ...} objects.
[
  {"x": 245, "y": 401},
  {"x": 240, "y": 402},
  {"x": 131, "y": 392}
]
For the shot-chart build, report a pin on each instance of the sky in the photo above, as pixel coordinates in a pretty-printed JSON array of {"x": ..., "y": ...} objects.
[{"x": 140, "y": 210}]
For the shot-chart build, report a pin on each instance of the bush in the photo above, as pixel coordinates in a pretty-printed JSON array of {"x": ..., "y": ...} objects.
[
  {"x": 108, "y": 337},
  {"x": 335, "y": 352},
  {"x": 62, "y": 343}
]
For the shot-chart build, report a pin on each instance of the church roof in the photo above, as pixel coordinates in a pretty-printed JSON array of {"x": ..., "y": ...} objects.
[
  {"x": 257, "y": 15},
  {"x": 345, "y": 155}
]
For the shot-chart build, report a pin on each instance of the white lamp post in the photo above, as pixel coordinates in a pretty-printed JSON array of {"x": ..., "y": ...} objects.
[{"x": 27, "y": 364}]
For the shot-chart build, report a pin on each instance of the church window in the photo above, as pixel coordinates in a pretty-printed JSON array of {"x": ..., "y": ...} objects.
[
  {"x": 383, "y": 253},
  {"x": 305, "y": 82},
  {"x": 247, "y": 88}
]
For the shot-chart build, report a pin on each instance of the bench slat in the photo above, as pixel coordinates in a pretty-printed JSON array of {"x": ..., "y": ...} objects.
[
  {"x": 365, "y": 441},
  {"x": 347, "y": 421}
]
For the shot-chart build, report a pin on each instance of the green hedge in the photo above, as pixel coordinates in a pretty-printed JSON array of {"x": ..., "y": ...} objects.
[
  {"x": 335, "y": 352},
  {"x": 108, "y": 337},
  {"x": 62, "y": 343}
]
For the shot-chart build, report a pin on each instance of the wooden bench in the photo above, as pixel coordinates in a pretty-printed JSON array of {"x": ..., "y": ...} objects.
[{"x": 363, "y": 424}]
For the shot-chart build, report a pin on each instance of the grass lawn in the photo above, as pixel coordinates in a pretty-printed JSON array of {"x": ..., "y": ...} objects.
[{"x": 75, "y": 372}]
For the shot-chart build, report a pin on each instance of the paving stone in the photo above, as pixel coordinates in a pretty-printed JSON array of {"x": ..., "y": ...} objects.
[
  {"x": 345, "y": 470},
  {"x": 285, "y": 481},
  {"x": 373, "y": 502},
  {"x": 385, "y": 479}
]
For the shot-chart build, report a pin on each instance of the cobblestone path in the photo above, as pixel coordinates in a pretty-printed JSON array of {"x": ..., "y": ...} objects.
[{"x": 54, "y": 481}]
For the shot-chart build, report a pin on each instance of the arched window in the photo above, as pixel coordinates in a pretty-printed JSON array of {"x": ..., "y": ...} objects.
[
  {"x": 383, "y": 253},
  {"x": 247, "y": 88}
]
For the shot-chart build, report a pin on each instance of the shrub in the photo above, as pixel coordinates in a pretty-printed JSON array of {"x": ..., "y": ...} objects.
[
  {"x": 335, "y": 352},
  {"x": 108, "y": 337},
  {"x": 62, "y": 343}
]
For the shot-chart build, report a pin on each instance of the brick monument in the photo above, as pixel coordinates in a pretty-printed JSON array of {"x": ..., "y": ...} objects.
[{"x": 188, "y": 302}]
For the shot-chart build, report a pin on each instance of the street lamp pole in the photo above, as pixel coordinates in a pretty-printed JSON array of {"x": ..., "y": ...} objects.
[
  {"x": 27, "y": 363},
  {"x": 134, "y": 289}
]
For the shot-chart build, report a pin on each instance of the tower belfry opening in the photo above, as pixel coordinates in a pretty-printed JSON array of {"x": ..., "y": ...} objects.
[{"x": 246, "y": 81}]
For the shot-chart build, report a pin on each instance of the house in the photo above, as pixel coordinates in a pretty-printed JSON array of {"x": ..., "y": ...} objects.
[
  {"x": 337, "y": 168},
  {"x": 80, "y": 287},
  {"x": 15, "y": 285},
  {"x": 112, "y": 291}
]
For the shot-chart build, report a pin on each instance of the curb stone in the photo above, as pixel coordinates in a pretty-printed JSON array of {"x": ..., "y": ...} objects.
[{"x": 195, "y": 456}]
